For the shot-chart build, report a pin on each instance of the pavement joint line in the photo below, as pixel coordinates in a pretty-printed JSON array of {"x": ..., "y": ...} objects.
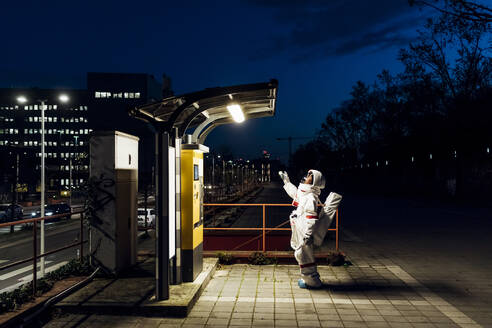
[{"x": 450, "y": 311}]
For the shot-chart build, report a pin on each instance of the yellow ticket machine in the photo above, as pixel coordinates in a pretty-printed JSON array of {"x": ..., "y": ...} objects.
[{"x": 192, "y": 210}]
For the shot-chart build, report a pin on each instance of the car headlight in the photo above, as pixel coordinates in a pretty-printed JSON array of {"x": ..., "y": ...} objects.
[
  {"x": 49, "y": 213},
  {"x": 33, "y": 214}
]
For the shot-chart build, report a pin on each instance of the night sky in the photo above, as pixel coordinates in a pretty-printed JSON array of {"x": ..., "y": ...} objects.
[{"x": 316, "y": 49}]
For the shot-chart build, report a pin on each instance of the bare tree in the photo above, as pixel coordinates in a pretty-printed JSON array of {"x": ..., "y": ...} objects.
[{"x": 465, "y": 9}]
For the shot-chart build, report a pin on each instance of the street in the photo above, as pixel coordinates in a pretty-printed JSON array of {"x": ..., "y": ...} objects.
[{"x": 20, "y": 246}]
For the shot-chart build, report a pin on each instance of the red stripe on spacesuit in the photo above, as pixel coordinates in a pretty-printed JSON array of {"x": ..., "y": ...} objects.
[
  {"x": 311, "y": 216},
  {"x": 307, "y": 265},
  {"x": 294, "y": 203}
]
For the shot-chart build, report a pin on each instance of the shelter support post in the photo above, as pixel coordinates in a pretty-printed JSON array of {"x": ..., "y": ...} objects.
[{"x": 162, "y": 219}]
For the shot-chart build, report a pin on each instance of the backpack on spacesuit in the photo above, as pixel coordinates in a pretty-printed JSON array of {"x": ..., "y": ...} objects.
[{"x": 325, "y": 217}]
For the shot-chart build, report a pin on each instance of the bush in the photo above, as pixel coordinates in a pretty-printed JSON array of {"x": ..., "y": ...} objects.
[
  {"x": 225, "y": 258},
  {"x": 336, "y": 259},
  {"x": 258, "y": 258},
  {"x": 12, "y": 300}
]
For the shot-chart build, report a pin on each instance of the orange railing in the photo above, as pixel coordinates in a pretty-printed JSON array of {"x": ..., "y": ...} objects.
[{"x": 264, "y": 229}]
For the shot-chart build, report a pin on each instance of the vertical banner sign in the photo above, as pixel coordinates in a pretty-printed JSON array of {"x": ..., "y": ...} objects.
[{"x": 172, "y": 202}]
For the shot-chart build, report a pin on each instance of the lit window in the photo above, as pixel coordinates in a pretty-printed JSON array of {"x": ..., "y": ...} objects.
[
  {"x": 55, "y": 106},
  {"x": 98, "y": 95},
  {"x": 130, "y": 95},
  {"x": 126, "y": 94},
  {"x": 26, "y": 143},
  {"x": 137, "y": 94}
]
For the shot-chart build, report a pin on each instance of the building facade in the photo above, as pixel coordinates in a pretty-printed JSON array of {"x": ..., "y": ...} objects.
[
  {"x": 66, "y": 139},
  {"x": 111, "y": 95},
  {"x": 103, "y": 105}
]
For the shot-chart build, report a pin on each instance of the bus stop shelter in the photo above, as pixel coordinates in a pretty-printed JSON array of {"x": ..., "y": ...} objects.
[{"x": 190, "y": 118}]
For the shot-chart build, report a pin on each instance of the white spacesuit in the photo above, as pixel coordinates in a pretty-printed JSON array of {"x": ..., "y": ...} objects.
[{"x": 309, "y": 225}]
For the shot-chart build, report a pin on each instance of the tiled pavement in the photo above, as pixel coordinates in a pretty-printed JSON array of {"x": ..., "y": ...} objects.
[{"x": 267, "y": 296}]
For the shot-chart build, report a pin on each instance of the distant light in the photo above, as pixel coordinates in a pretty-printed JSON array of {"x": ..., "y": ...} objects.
[
  {"x": 22, "y": 99},
  {"x": 455, "y": 154},
  {"x": 430, "y": 156},
  {"x": 387, "y": 162},
  {"x": 236, "y": 112},
  {"x": 488, "y": 150},
  {"x": 63, "y": 98},
  {"x": 413, "y": 159}
]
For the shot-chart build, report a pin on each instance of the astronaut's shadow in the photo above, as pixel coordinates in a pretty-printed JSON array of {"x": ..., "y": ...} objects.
[{"x": 390, "y": 288}]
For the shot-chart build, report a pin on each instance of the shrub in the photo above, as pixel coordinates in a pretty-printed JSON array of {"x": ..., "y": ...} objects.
[
  {"x": 258, "y": 258},
  {"x": 336, "y": 259},
  {"x": 12, "y": 300},
  {"x": 225, "y": 258}
]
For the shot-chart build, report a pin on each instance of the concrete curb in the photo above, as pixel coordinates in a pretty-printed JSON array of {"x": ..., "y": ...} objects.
[{"x": 133, "y": 296}]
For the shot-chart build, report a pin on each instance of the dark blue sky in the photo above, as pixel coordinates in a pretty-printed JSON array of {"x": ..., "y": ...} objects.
[{"x": 316, "y": 49}]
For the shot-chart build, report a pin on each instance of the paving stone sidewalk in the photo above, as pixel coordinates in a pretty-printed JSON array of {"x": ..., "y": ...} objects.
[{"x": 267, "y": 296}]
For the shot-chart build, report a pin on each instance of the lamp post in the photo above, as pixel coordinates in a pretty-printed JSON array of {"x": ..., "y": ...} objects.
[
  {"x": 70, "y": 186},
  {"x": 23, "y": 99}
]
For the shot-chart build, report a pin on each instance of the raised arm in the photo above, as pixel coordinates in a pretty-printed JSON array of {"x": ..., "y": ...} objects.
[{"x": 288, "y": 186}]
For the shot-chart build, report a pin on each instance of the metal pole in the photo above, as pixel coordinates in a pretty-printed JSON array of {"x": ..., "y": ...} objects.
[
  {"x": 263, "y": 232},
  {"x": 70, "y": 183},
  {"x": 35, "y": 254},
  {"x": 338, "y": 228},
  {"x": 213, "y": 171},
  {"x": 81, "y": 236},
  {"x": 177, "y": 259},
  {"x": 162, "y": 217},
  {"x": 41, "y": 250}
]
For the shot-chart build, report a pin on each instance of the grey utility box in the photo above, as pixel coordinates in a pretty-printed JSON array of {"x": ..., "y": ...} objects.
[{"x": 114, "y": 181}]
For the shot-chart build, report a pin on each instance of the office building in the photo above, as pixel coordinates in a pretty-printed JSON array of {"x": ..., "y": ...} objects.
[{"x": 66, "y": 139}]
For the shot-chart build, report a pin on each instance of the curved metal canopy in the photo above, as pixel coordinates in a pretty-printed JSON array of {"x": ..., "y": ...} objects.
[{"x": 205, "y": 107}]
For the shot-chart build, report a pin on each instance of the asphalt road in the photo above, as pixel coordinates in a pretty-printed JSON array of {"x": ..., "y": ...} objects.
[{"x": 20, "y": 246}]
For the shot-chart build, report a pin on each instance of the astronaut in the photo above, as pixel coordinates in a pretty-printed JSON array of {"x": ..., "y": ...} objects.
[{"x": 309, "y": 222}]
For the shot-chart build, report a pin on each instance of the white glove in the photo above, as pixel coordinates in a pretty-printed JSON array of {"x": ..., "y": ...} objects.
[{"x": 284, "y": 176}]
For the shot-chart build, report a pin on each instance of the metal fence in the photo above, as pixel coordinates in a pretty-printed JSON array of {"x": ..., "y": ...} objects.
[
  {"x": 265, "y": 230},
  {"x": 36, "y": 256}
]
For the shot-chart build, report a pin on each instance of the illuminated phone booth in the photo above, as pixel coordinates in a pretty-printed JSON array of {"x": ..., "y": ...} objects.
[
  {"x": 192, "y": 210},
  {"x": 114, "y": 185}
]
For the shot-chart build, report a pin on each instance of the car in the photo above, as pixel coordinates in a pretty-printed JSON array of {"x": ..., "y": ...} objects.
[
  {"x": 54, "y": 209},
  {"x": 6, "y": 212},
  {"x": 150, "y": 217}
]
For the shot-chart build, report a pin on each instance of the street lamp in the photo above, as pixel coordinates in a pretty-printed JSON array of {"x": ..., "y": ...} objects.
[
  {"x": 22, "y": 99},
  {"x": 236, "y": 112}
]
